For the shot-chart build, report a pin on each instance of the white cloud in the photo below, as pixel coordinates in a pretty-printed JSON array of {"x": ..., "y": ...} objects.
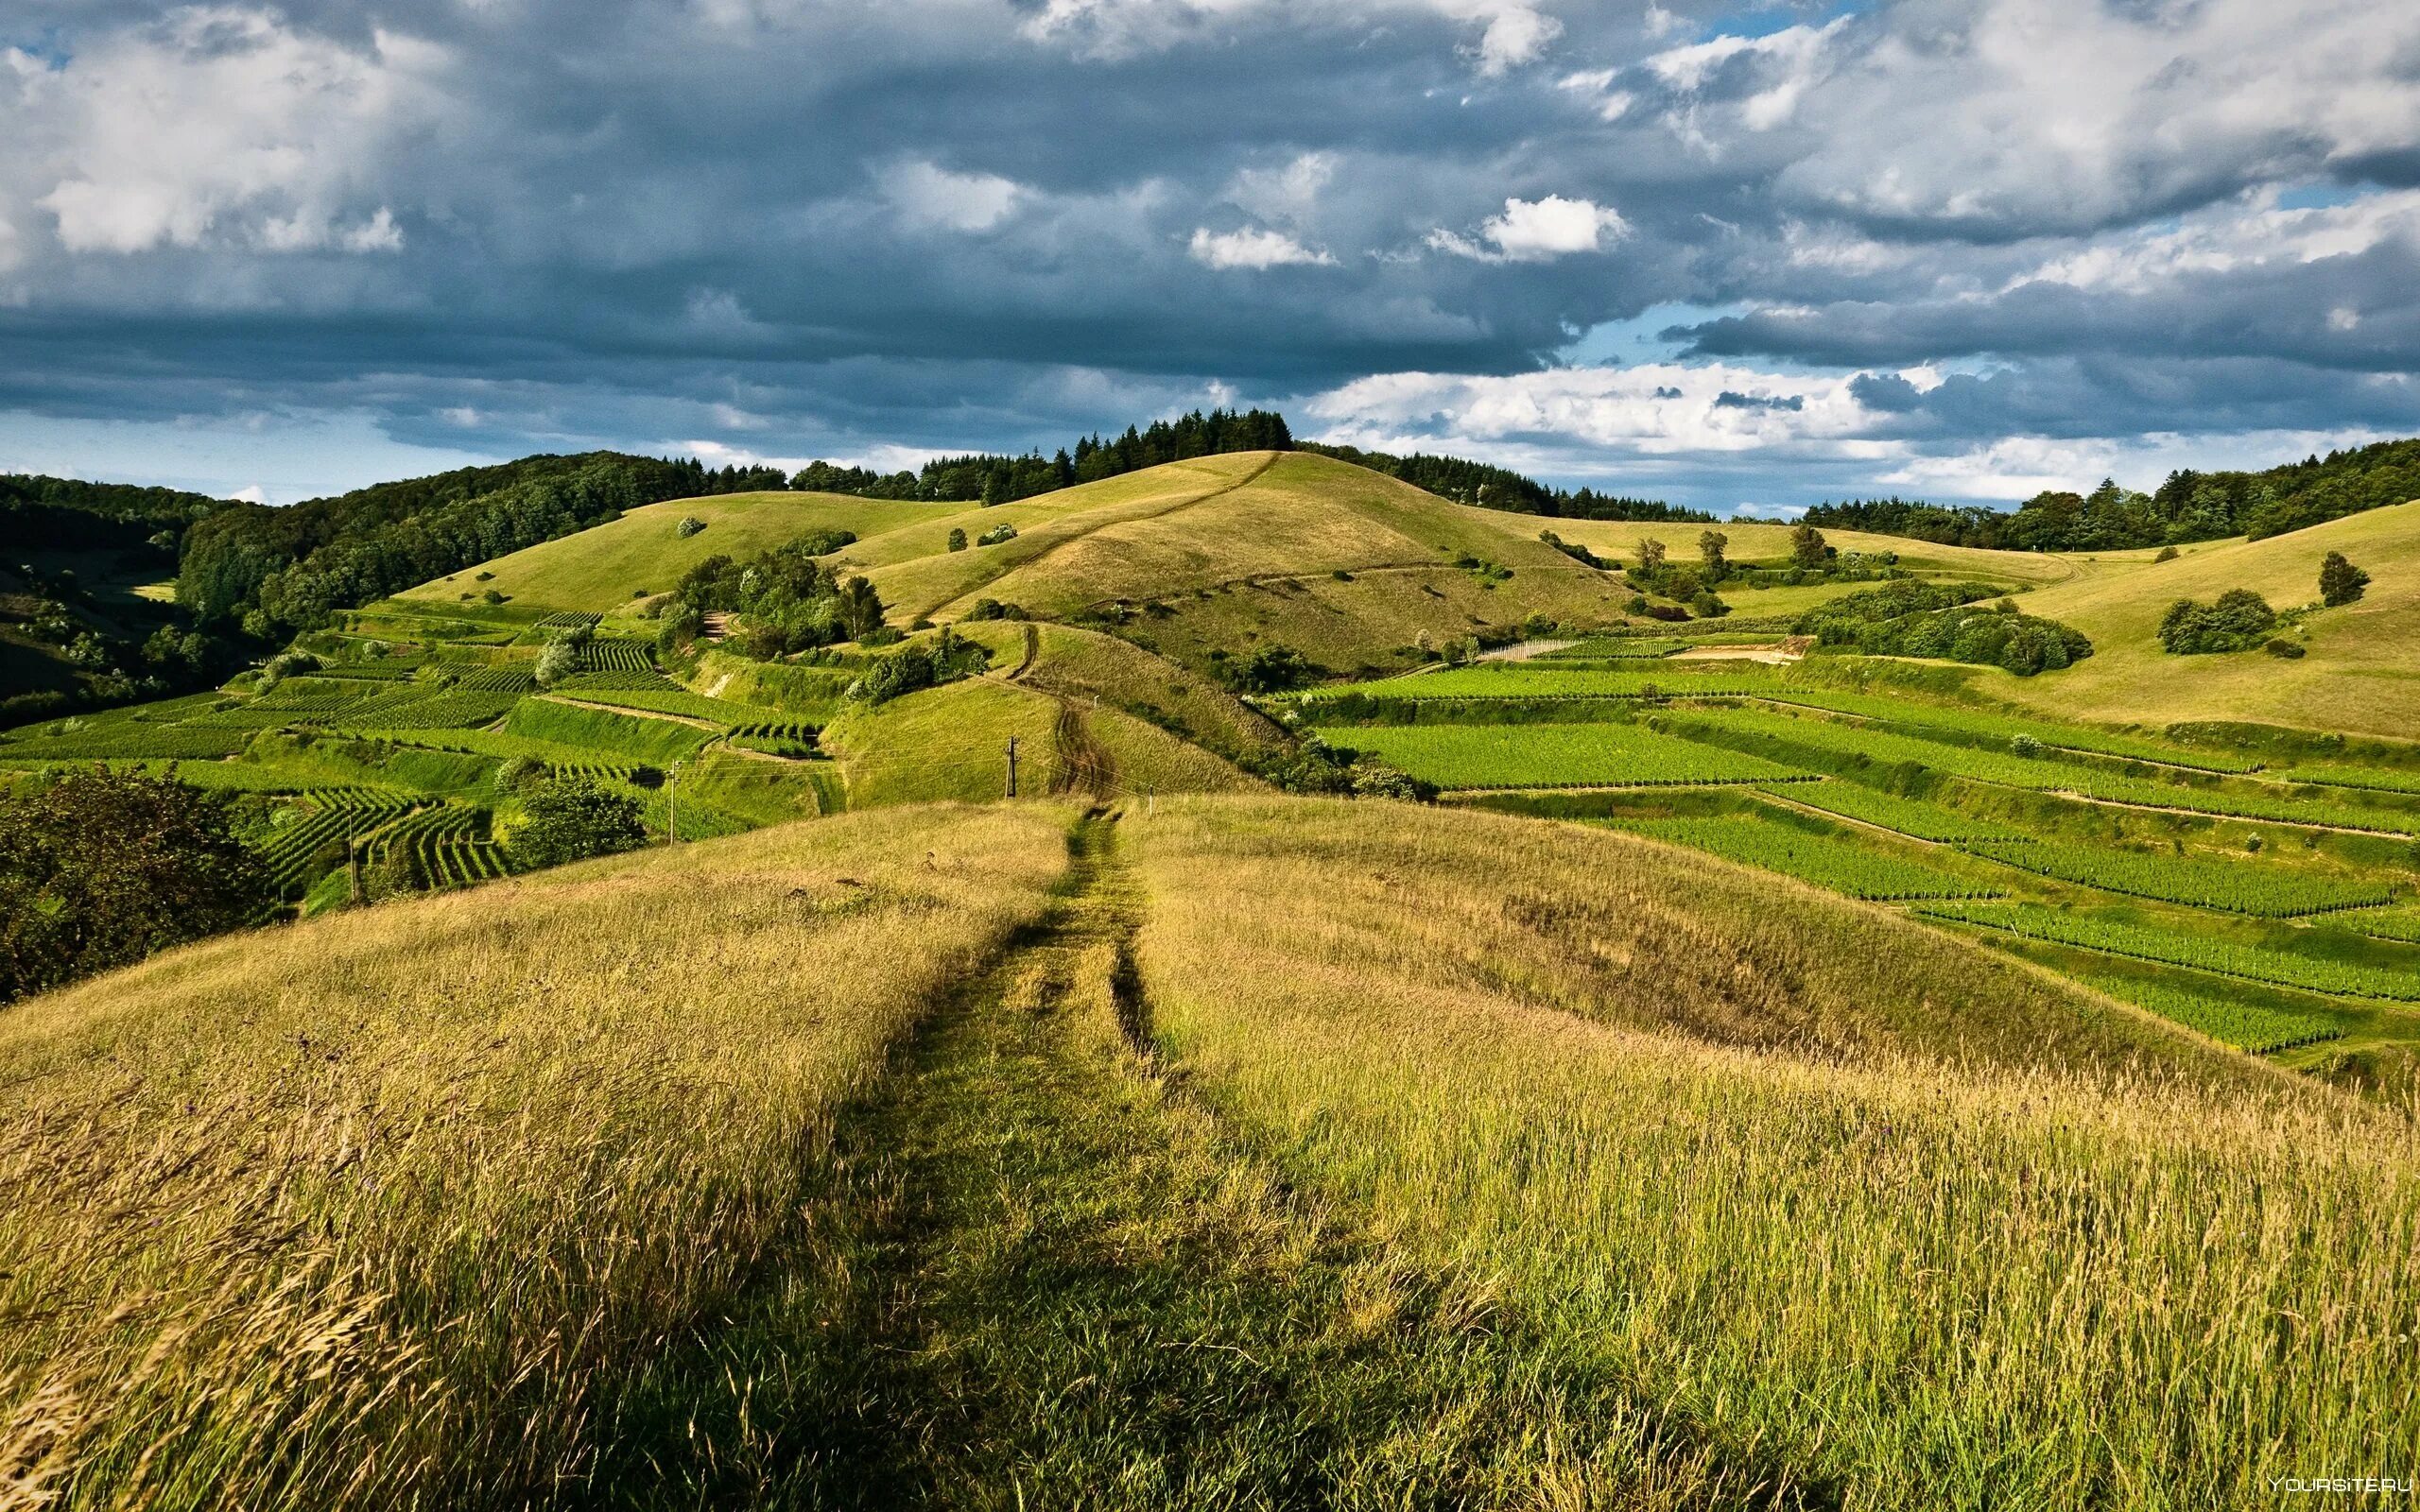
[
  {"x": 2230, "y": 236},
  {"x": 926, "y": 194},
  {"x": 217, "y": 123},
  {"x": 1286, "y": 194},
  {"x": 1537, "y": 231},
  {"x": 1514, "y": 36},
  {"x": 1789, "y": 63},
  {"x": 1251, "y": 248}
]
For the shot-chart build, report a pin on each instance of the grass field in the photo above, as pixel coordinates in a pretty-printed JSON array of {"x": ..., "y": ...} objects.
[
  {"x": 1596, "y": 755},
  {"x": 2358, "y": 679},
  {"x": 610, "y": 566}
]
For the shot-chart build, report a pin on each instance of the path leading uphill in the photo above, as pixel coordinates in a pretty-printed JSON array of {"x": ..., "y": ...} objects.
[{"x": 1076, "y": 1287}]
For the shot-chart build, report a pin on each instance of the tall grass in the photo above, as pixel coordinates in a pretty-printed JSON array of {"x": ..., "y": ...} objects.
[
  {"x": 1998, "y": 1268},
  {"x": 407, "y": 1207}
]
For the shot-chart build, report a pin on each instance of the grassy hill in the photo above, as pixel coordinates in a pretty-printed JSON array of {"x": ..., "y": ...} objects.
[
  {"x": 1283, "y": 1148},
  {"x": 2360, "y": 676},
  {"x": 606, "y": 567}
]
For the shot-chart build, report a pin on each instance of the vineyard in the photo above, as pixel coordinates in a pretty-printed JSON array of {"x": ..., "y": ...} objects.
[
  {"x": 323, "y": 824},
  {"x": 2245, "y": 1026},
  {"x": 1840, "y": 746},
  {"x": 1602, "y": 755},
  {"x": 1826, "y": 861},
  {"x": 2199, "y": 953},
  {"x": 1539, "y": 680},
  {"x": 1888, "y": 811},
  {"x": 1624, "y": 649},
  {"x": 2229, "y": 885},
  {"x": 2001, "y": 730}
]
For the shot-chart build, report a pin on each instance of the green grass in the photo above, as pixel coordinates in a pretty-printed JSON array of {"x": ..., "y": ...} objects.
[
  {"x": 2196, "y": 951},
  {"x": 2247, "y": 1026},
  {"x": 1851, "y": 748},
  {"x": 656, "y": 740},
  {"x": 1827, "y": 861},
  {"x": 1596, "y": 755},
  {"x": 2228, "y": 883},
  {"x": 603, "y": 569},
  {"x": 1889, "y": 810},
  {"x": 1537, "y": 680}
]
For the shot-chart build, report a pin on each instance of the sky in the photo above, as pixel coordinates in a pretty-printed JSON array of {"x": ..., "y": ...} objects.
[{"x": 1745, "y": 259}]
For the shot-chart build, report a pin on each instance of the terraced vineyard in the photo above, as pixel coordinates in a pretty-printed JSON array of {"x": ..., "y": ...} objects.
[
  {"x": 2200, "y": 953},
  {"x": 1617, "y": 649},
  {"x": 2228, "y": 884},
  {"x": 1541, "y": 680},
  {"x": 1889, "y": 810},
  {"x": 1598, "y": 755},
  {"x": 325, "y": 818},
  {"x": 1840, "y": 865},
  {"x": 1846, "y": 747},
  {"x": 2000, "y": 730},
  {"x": 2247, "y": 1026}
]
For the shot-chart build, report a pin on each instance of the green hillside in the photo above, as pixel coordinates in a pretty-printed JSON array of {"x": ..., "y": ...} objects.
[{"x": 2361, "y": 675}]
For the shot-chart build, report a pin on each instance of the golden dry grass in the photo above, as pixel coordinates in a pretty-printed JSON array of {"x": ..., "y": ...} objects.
[
  {"x": 401, "y": 1208},
  {"x": 1887, "y": 1210}
]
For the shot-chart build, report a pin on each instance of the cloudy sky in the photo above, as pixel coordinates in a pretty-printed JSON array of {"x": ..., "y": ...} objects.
[{"x": 1961, "y": 249}]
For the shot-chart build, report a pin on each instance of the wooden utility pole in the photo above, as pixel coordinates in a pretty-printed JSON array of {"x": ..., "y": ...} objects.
[
  {"x": 672, "y": 805},
  {"x": 1013, "y": 766}
]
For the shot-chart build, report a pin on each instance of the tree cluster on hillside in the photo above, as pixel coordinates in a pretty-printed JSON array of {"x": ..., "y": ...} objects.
[
  {"x": 786, "y": 600},
  {"x": 1911, "y": 617},
  {"x": 2190, "y": 507},
  {"x": 999, "y": 479},
  {"x": 946, "y": 658},
  {"x": 101, "y": 869},
  {"x": 2240, "y": 620},
  {"x": 572, "y": 818},
  {"x": 280, "y": 570},
  {"x": 1496, "y": 488}
]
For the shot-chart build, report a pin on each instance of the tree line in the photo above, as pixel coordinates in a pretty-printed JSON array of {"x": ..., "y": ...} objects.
[
  {"x": 992, "y": 478},
  {"x": 1490, "y": 486},
  {"x": 2190, "y": 505}
]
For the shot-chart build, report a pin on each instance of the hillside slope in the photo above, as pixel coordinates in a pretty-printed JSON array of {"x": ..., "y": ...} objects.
[
  {"x": 2362, "y": 672},
  {"x": 1495, "y": 1155}
]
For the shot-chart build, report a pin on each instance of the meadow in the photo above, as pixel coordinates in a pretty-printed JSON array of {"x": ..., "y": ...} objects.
[{"x": 1463, "y": 756}]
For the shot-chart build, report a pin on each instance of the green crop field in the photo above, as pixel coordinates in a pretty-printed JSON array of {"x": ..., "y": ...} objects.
[
  {"x": 1467, "y": 756},
  {"x": 2200, "y": 953},
  {"x": 1856, "y": 746},
  {"x": 1505, "y": 679},
  {"x": 2247, "y": 1026},
  {"x": 2228, "y": 883},
  {"x": 1827, "y": 861},
  {"x": 1889, "y": 810}
]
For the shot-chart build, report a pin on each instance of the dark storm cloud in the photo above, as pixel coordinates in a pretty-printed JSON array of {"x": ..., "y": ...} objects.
[{"x": 788, "y": 228}]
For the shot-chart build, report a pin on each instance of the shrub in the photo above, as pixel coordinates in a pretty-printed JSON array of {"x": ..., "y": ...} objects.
[
  {"x": 957, "y": 540},
  {"x": 516, "y": 771},
  {"x": 491, "y": 596},
  {"x": 691, "y": 525},
  {"x": 559, "y": 659},
  {"x": 944, "y": 659},
  {"x": 2340, "y": 581},
  {"x": 2024, "y": 745},
  {"x": 1706, "y": 607},
  {"x": 1001, "y": 532},
  {"x": 2167, "y": 554},
  {"x": 1269, "y": 669},
  {"x": 101, "y": 868},
  {"x": 2279, "y": 647},
  {"x": 2238, "y": 620},
  {"x": 571, "y": 818},
  {"x": 991, "y": 608}
]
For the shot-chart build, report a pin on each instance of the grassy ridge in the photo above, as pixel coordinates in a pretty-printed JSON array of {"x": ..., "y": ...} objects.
[
  {"x": 351, "y": 1215},
  {"x": 1910, "y": 1283}
]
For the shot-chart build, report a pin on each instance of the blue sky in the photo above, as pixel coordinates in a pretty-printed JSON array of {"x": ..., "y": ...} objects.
[{"x": 1958, "y": 249}]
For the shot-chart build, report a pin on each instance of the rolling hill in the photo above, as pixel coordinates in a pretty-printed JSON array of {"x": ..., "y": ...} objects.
[
  {"x": 2360, "y": 675},
  {"x": 1268, "y": 1139},
  {"x": 1669, "y": 1081}
]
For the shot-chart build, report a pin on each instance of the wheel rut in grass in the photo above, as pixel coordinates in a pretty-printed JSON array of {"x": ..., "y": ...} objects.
[{"x": 1074, "y": 1287}]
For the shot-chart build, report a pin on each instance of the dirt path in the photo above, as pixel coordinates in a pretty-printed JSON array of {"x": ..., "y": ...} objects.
[
  {"x": 1065, "y": 1282},
  {"x": 1083, "y": 764},
  {"x": 691, "y": 721}
]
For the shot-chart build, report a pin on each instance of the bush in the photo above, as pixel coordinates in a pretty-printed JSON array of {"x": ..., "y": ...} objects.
[
  {"x": 517, "y": 771},
  {"x": 2240, "y": 620},
  {"x": 571, "y": 818},
  {"x": 991, "y": 608},
  {"x": 946, "y": 658},
  {"x": 559, "y": 659},
  {"x": 1001, "y": 532},
  {"x": 1269, "y": 669},
  {"x": 691, "y": 525},
  {"x": 2167, "y": 554},
  {"x": 100, "y": 869},
  {"x": 2340, "y": 581},
  {"x": 957, "y": 540},
  {"x": 2279, "y": 647}
]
